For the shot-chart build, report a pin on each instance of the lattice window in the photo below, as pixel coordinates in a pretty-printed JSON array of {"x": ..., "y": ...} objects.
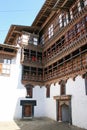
[
  {"x": 35, "y": 41},
  {"x": 42, "y": 40},
  {"x": 5, "y": 66},
  {"x": 63, "y": 19},
  {"x": 50, "y": 31}
]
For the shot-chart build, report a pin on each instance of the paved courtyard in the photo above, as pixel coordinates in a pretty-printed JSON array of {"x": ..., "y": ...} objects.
[{"x": 36, "y": 124}]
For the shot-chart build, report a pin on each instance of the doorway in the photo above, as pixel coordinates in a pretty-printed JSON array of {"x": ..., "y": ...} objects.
[
  {"x": 65, "y": 113},
  {"x": 27, "y": 110}
]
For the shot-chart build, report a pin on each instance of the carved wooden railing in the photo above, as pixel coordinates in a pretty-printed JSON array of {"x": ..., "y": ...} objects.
[
  {"x": 73, "y": 66},
  {"x": 31, "y": 62},
  {"x": 33, "y": 79},
  {"x": 63, "y": 30},
  {"x": 66, "y": 48}
]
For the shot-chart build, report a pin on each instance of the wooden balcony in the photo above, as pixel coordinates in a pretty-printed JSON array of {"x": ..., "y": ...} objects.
[
  {"x": 59, "y": 33},
  {"x": 67, "y": 48},
  {"x": 30, "y": 62},
  {"x": 7, "y": 51},
  {"x": 72, "y": 68},
  {"x": 33, "y": 79},
  {"x": 76, "y": 65}
]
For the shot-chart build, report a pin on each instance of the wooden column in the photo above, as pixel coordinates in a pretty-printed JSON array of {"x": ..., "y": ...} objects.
[{"x": 59, "y": 112}]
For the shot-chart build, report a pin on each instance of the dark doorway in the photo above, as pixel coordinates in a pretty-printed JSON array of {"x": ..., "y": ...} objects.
[
  {"x": 65, "y": 113},
  {"x": 27, "y": 110}
]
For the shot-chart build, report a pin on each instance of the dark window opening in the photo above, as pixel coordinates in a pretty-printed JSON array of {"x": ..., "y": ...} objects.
[
  {"x": 29, "y": 91},
  {"x": 8, "y": 50},
  {"x": 1, "y": 48},
  {"x": 75, "y": 53},
  {"x": 84, "y": 47},
  {"x": 60, "y": 62},
  {"x": 67, "y": 58},
  {"x": 82, "y": 3},
  {"x": 55, "y": 66},
  {"x": 33, "y": 71},
  {"x": 63, "y": 88},
  {"x": 48, "y": 91}
]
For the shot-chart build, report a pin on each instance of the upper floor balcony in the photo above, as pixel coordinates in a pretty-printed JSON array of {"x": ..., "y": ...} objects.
[
  {"x": 71, "y": 68},
  {"x": 58, "y": 31},
  {"x": 32, "y": 75},
  {"x": 7, "y": 51},
  {"x": 31, "y": 56},
  {"x": 70, "y": 41}
]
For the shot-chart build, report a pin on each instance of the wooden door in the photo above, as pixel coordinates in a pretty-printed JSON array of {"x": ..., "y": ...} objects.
[{"x": 27, "y": 110}]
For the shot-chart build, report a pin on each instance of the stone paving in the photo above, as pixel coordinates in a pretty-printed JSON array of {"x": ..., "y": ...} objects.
[{"x": 36, "y": 124}]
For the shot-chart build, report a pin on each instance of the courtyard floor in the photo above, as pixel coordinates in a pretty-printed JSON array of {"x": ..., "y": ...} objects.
[{"x": 36, "y": 124}]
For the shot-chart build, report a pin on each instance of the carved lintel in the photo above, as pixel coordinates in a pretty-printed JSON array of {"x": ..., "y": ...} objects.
[{"x": 63, "y": 97}]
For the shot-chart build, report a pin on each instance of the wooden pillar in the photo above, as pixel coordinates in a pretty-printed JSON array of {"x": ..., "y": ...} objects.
[{"x": 59, "y": 112}]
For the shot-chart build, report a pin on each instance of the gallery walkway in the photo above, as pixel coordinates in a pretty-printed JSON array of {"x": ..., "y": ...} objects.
[{"x": 36, "y": 124}]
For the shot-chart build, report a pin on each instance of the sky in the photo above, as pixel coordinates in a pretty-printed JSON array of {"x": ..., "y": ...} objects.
[{"x": 19, "y": 12}]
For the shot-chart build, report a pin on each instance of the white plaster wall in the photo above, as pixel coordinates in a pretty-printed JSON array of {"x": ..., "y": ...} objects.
[
  {"x": 79, "y": 101},
  {"x": 11, "y": 90},
  {"x": 39, "y": 96},
  {"x": 46, "y": 107},
  {"x": 50, "y": 103}
]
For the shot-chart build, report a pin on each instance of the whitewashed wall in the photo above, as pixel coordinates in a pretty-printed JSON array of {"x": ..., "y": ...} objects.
[
  {"x": 39, "y": 96},
  {"x": 79, "y": 101},
  {"x": 50, "y": 103},
  {"x": 12, "y": 91}
]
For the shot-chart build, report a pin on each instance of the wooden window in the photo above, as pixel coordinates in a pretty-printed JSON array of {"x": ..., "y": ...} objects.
[
  {"x": 25, "y": 39},
  {"x": 5, "y": 66},
  {"x": 29, "y": 91},
  {"x": 50, "y": 31},
  {"x": 82, "y": 3},
  {"x": 47, "y": 91},
  {"x": 79, "y": 6},
  {"x": 42, "y": 40},
  {"x": 35, "y": 41},
  {"x": 62, "y": 20},
  {"x": 63, "y": 88}
]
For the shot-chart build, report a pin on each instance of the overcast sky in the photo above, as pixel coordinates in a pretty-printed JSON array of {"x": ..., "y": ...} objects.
[{"x": 19, "y": 12}]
